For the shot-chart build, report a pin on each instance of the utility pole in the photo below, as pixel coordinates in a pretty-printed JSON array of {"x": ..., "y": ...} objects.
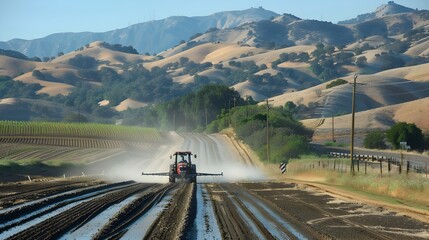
[
  {"x": 403, "y": 145},
  {"x": 352, "y": 167},
  {"x": 206, "y": 118},
  {"x": 333, "y": 131},
  {"x": 174, "y": 120},
  {"x": 229, "y": 113},
  {"x": 268, "y": 131}
]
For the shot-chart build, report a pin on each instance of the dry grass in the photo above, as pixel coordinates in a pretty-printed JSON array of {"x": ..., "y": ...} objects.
[
  {"x": 129, "y": 104},
  {"x": 412, "y": 112},
  {"x": 411, "y": 188}
]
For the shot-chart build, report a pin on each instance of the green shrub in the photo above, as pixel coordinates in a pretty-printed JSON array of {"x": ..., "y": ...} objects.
[
  {"x": 405, "y": 132},
  {"x": 374, "y": 140},
  {"x": 335, "y": 83}
]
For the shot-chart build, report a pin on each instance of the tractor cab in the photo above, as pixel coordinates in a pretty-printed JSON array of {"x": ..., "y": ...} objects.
[{"x": 182, "y": 162}]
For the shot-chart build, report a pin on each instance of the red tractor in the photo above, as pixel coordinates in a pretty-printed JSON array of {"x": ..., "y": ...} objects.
[{"x": 183, "y": 169}]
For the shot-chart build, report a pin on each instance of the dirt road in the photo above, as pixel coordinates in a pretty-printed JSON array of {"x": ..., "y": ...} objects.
[{"x": 244, "y": 204}]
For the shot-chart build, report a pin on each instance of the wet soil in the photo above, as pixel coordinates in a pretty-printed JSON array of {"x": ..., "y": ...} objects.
[{"x": 260, "y": 210}]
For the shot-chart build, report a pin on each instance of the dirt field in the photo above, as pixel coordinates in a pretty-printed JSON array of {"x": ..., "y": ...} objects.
[
  {"x": 244, "y": 204},
  {"x": 264, "y": 210}
]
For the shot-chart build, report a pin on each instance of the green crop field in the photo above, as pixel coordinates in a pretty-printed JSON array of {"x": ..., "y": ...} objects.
[
  {"x": 50, "y": 148},
  {"x": 78, "y": 130}
]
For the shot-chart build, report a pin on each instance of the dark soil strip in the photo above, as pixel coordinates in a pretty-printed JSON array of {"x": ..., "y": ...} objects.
[
  {"x": 5, "y": 217},
  {"x": 61, "y": 223},
  {"x": 127, "y": 215},
  {"x": 13, "y": 193},
  {"x": 174, "y": 221}
]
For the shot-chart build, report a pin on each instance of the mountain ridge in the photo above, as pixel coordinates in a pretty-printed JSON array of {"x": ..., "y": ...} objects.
[
  {"x": 386, "y": 9},
  {"x": 153, "y": 36}
]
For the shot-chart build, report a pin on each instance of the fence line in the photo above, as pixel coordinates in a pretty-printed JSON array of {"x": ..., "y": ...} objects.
[{"x": 410, "y": 166}]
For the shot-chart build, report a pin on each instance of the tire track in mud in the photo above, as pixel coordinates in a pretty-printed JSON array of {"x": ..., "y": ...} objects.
[
  {"x": 336, "y": 218},
  {"x": 175, "y": 221},
  {"x": 117, "y": 226},
  {"x": 57, "y": 225},
  {"x": 26, "y": 212},
  {"x": 21, "y": 193},
  {"x": 241, "y": 215},
  {"x": 231, "y": 222}
]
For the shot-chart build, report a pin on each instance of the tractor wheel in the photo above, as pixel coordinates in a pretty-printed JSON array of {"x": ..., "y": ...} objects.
[{"x": 171, "y": 179}]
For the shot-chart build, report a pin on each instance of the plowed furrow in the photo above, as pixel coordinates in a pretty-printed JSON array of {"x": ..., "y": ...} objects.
[
  {"x": 56, "y": 226},
  {"x": 126, "y": 216},
  {"x": 34, "y": 192},
  {"x": 178, "y": 217},
  {"x": 231, "y": 224}
]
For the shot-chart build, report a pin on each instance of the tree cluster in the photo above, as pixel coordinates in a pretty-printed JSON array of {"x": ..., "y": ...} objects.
[
  {"x": 135, "y": 82},
  {"x": 288, "y": 138},
  {"x": 17, "y": 89},
  {"x": 400, "y": 132},
  {"x": 335, "y": 83},
  {"x": 189, "y": 112},
  {"x": 18, "y": 55},
  {"x": 82, "y": 61},
  {"x": 120, "y": 48}
]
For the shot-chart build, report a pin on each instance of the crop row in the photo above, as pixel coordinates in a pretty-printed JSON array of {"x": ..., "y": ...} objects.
[
  {"x": 66, "y": 142},
  {"x": 78, "y": 130}
]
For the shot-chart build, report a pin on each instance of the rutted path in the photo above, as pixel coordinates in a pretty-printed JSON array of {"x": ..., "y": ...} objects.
[{"x": 241, "y": 205}]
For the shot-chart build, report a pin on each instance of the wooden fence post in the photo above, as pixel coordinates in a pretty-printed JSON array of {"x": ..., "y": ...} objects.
[
  {"x": 388, "y": 165},
  {"x": 365, "y": 166},
  {"x": 381, "y": 168},
  {"x": 426, "y": 170},
  {"x": 408, "y": 167}
]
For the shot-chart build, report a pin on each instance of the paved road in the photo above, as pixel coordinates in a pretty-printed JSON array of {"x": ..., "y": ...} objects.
[{"x": 416, "y": 159}]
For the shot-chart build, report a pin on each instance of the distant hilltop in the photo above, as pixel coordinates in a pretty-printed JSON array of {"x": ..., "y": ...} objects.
[
  {"x": 386, "y": 9},
  {"x": 148, "y": 37}
]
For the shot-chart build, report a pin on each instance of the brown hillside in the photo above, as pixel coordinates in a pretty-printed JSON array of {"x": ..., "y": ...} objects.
[
  {"x": 208, "y": 52},
  {"x": 33, "y": 109},
  {"x": 104, "y": 56},
  {"x": 382, "y": 118},
  {"x": 50, "y": 88},
  {"x": 249, "y": 89},
  {"x": 129, "y": 104},
  {"x": 383, "y": 89}
]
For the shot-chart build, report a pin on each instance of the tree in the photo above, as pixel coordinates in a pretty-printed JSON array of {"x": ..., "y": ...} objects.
[
  {"x": 38, "y": 74},
  {"x": 335, "y": 83},
  {"x": 329, "y": 49},
  {"x": 361, "y": 61},
  {"x": 35, "y": 59},
  {"x": 83, "y": 61},
  {"x": 341, "y": 47},
  {"x": 405, "y": 132},
  {"x": 183, "y": 61},
  {"x": 290, "y": 107},
  {"x": 320, "y": 51},
  {"x": 374, "y": 140}
]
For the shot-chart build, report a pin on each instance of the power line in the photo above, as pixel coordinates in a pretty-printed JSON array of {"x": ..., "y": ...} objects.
[
  {"x": 386, "y": 94},
  {"x": 389, "y": 84}
]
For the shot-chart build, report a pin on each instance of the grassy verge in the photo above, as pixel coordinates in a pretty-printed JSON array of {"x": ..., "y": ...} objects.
[{"x": 411, "y": 190}]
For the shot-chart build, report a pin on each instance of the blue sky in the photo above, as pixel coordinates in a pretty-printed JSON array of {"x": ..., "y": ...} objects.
[{"x": 29, "y": 19}]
